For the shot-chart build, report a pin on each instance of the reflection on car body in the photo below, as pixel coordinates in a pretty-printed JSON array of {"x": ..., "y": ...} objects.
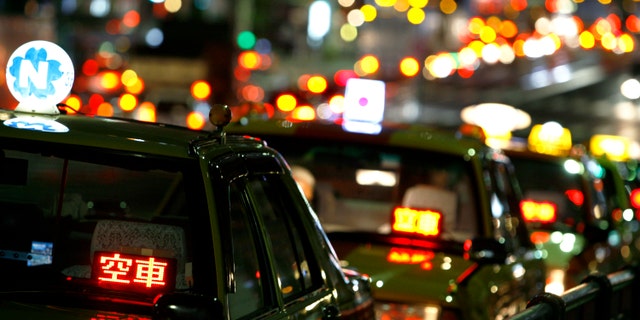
[{"x": 432, "y": 219}]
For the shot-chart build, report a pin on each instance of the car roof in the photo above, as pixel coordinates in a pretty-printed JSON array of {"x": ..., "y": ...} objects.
[
  {"x": 399, "y": 135},
  {"x": 110, "y": 133}
]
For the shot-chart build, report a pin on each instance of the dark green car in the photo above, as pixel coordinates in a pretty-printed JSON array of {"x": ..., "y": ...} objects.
[
  {"x": 102, "y": 218},
  {"x": 433, "y": 219},
  {"x": 577, "y": 231}
]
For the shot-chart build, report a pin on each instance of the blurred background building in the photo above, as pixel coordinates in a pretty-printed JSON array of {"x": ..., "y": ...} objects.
[{"x": 570, "y": 61}]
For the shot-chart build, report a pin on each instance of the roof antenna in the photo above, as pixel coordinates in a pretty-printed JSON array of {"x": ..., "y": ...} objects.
[{"x": 219, "y": 116}]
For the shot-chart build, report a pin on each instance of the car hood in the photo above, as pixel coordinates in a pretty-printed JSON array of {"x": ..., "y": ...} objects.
[{"x": 409, "y": 274}]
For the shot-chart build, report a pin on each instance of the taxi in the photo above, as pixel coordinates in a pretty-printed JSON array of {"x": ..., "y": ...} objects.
[
  {"x": 568, "y": 205},
  {"x": 620, "y": 173},
  {"x": 432, "y": 218},
  {"x": 105, "y": 218}
]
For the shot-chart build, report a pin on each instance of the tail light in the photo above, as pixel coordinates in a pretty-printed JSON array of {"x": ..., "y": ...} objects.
[
  {"x": 576, "y": 196},
  {"x": 539, "y": 211},
  {"x": 635, "y": 198}
]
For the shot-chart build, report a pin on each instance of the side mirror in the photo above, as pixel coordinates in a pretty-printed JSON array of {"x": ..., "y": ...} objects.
[
  {"x": 487, "y": 250},
  {"x": 187, "y": 306}
]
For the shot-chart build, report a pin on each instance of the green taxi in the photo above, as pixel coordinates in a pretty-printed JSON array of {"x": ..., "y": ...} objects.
[
  {"x": 565, "y": 207},
  {"x": 105, "y": 218},
  {"x": 432, "y": 218}
]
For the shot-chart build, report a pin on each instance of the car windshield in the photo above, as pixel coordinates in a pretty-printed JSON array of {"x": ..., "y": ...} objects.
[
  {"x": 77, "y": 221},
  {"x": 357, "y": 187}
]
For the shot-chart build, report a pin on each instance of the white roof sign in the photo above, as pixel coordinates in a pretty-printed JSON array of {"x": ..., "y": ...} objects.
[{"x": 39, "y": 74}]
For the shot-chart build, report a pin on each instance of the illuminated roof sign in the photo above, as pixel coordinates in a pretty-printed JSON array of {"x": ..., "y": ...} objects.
[
  {"x": 39, "y": 75},
  {"x": 363, "y": 105}
]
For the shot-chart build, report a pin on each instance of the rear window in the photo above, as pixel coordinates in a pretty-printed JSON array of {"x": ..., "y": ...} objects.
[
  {"x": 80, "y": 222},
  {"x": 568, "y": 191},
  {"x": 357, "y": 187}
]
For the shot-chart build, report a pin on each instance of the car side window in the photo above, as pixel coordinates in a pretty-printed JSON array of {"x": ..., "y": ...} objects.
[
  {"x": 505, "y": 208},
  {"x": 258, "y": 206},
  {"x": 294, "y": 263},
  {"x": 249, "y": 291}
]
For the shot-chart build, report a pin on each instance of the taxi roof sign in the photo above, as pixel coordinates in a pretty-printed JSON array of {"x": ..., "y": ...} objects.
[
  {"x": 364, "y": 101},
  {"x": 39, "y": 75},
  {"x": 616, "y": 148},
  {"x": 550, "y": 138}
]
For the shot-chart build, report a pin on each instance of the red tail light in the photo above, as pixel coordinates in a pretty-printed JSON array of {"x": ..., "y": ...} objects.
[
  {"x": 539, "y": 211},
  {"x": 576, "y": 196},
  {"x": 424, "y": 222},
  {"x": 635, "y": 198},
  {"x": 129, "y": 272}
]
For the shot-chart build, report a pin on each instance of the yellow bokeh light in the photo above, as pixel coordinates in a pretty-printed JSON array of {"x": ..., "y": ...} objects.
[
  {"x": 109, "y": 80},
  {"x": 317, "y": 84},
  {"x": 602, "y": 26},
  {"x": 418, "y": 3},
  {"x": 250, "y": 60},
  {"x": 476, "y": 46},
  {"x": 200, "y": 90},
  {"x": 135, "y": 88},
  {"x": 608, "y": 41},
  {"x": 304, "y": 113},
  {"x": 626, "y": 42},
  {"x": 128, "y": 102},
  {"x": 415, "y": 15},
  {"x": 385, "y": 3},
  {"x": 369, "y": 64},
  {"x": 336, "y": 103},
  {"x": 286, "y": 102},
  {"x": 587, "y": 40},
  {"x": 146, "y": 112},
  {"x": 74, "y": 102},
  {"x": 129, "y": 77},
  {"x": 475, "y": 25},
  {"x": 348, "y": 32},
  {"x": 409, "y": 66},
  {"x": 195, "y": 120},
  {"x": 370, "y": 12},
  {"x": 487, "y": 34}
]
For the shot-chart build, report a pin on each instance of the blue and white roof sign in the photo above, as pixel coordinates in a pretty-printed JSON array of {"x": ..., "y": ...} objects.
[{"x": 39, "y": 75}]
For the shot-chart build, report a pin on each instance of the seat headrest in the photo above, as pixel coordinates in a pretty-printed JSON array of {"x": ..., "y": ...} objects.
[{"x": 424, "y": 196}]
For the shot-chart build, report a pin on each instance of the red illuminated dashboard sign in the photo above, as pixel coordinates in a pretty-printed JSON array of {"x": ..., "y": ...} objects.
[
  {"x": 425, "y": 222},
  {"x": 121, "y": 271}
]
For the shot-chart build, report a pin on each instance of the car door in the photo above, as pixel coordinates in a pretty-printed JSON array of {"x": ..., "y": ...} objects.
[
  {"x": 514, "y": 283},
  {"x": 272, "y": 270}
]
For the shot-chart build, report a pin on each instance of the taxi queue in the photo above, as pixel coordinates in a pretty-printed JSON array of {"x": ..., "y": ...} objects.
[
  {"x": 576, "y": 208},
  {"x": 275, "y": 219}
]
